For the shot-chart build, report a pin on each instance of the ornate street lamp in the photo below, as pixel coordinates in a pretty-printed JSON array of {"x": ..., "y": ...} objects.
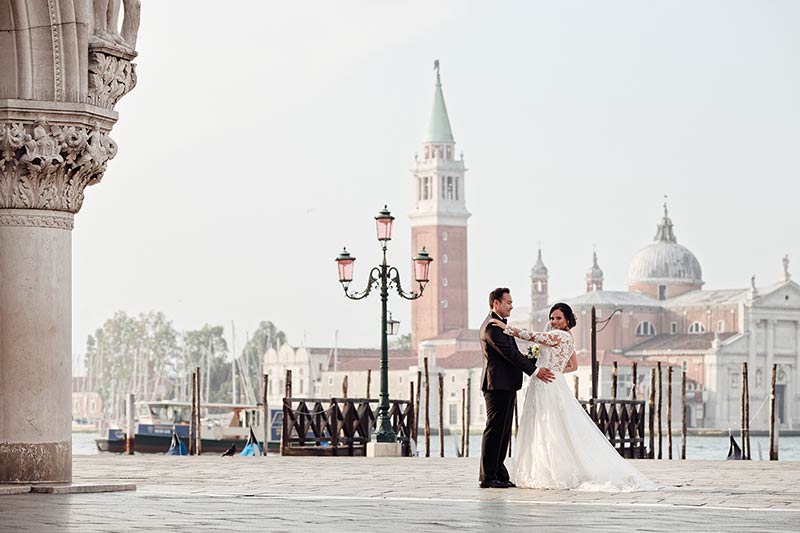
[
  {"x": 384, "y": 277},
  {"x": 392, "y": 325}
]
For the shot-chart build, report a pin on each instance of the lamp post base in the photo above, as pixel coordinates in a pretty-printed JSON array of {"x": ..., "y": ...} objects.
[{"x": 384, "y": 449}]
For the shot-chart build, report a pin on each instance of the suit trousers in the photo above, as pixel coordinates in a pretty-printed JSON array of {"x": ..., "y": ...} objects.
[{"x": 496, "y": 436}]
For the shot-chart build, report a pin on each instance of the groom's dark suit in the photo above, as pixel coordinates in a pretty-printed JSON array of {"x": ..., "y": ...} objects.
[{"x": 503, "y": 365}]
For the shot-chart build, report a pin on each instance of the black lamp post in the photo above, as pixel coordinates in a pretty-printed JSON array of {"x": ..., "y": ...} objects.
[{"x": 384, "y": 277}]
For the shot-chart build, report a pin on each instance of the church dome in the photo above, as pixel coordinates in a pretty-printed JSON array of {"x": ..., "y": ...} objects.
[{"x": 664, "y": 261}]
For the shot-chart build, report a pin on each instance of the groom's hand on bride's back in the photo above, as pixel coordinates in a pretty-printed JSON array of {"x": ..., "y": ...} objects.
[{"x": 545, "y": 375}]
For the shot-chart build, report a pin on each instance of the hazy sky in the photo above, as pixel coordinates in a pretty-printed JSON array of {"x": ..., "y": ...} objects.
[{"x": 264, "y": 136}]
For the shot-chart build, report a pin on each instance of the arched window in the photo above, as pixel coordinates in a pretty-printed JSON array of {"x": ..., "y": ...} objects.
[
  {"x": 645, "y": 329},
  {"x": 444, "y": 282},
  {"x": 444, "y": 258},
  {"x": 697, "y": 327}
]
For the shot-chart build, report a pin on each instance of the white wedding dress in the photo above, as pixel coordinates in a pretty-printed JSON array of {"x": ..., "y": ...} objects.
[{"x": 558, "y": 446}]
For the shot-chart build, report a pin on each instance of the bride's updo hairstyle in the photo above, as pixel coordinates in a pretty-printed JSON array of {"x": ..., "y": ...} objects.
[{"x": 568, "y": 314}]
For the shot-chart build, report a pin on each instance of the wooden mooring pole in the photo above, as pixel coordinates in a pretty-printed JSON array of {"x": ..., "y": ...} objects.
[
  {"x": 747, "y": 408},
  {"x": 516, "y": 426},
  {"x": 287, "y": 393},
  {"x": 683, "y": 414},
  {"x": 130, "y": 431},
  {"x": 575, "y": 386},
  {"x": 344, "y": 387},
  {"x": 463, "y": 421},
  {"x": 198, "y": 426},
  {"x": 441, "y": 414},
  {"x": 652, "y": 415},
  {"x": 669, "y": 412},
  {"x": 634, "y": 379},
  {"x": 427, "y": 410},
  {"x": 743, "y": 411},
  {"x": 614, "y": 377},
  {"x": 469, "y": 415},
  {"x": 265, "y": 404},
  {"x": 417, "y": 402},
  {"x": 658, "y": 409},
  {"x": 413, "y": 427},
  {"x": 773, "y": 448},
  {"x": 369, "y": 382},
  {"x": 192, "y": 414}
]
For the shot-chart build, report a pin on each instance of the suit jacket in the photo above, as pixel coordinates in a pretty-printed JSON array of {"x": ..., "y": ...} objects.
[{"x": 503, "y": 363}]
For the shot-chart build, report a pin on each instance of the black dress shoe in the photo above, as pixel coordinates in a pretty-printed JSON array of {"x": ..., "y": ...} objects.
[
  {"x": 493, "y": 484},
  {"x": 510, "y": 485}
]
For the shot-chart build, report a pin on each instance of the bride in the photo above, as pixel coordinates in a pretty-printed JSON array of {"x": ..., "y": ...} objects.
[{"x": 558, "y": 445}]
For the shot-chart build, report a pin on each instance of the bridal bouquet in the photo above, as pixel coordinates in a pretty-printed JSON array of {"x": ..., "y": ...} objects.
[{"x": 533, "y": 352}]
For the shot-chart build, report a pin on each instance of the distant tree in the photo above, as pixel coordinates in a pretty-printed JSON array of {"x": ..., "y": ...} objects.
[
  {"x": 206, "y": 347},
  {"x": 137, "y": 355},
  {"x": 146, "y": 356},
  {"x": 403, "y": 342}
]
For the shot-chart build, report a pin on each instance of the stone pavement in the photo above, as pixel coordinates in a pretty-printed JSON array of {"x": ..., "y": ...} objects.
[{"x": 360, "y": 494}]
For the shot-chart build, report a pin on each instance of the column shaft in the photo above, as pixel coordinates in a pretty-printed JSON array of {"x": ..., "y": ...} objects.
[{"x": 35, "y": 345}]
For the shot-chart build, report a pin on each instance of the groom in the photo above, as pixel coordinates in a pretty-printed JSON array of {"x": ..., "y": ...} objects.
[{"x": 503, "y": 365}]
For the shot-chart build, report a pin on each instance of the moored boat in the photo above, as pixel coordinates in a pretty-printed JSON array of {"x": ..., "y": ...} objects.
[{"x": 224, "y": 425}]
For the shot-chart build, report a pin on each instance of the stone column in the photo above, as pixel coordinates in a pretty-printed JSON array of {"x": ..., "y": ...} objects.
[{"x": 50, "y": 151}]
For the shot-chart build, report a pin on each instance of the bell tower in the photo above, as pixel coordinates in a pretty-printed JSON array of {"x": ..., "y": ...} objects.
[
  {"x": 439, "y": 223},
  {"x": 538, "y": 285}
]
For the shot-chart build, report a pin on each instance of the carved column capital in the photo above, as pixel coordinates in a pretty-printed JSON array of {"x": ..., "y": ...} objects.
[
  {"x": 112, "y": 74},
  {"x": 47, "y": 166}
]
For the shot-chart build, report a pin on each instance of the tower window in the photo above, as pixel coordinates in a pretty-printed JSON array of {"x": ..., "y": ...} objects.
[
  {"x": 673, "y": 328},
  {"x": 444, "y": 282},
  {"x": 697, "y": 327},
  {"x": 444, "y": 258},
  {"x": 662, "y": 292},
  {"x": 444, "y": 304},
  {"x": 444, "y": 235},
  {"x": 721, "y": 326},
  {"x": 426, "y": 188},
  {"x": 645, "y": 329},
  {"x": 538, "y": 286},
  {"x": 457, "y": 179},
  {"x": 450, "y": 188}
]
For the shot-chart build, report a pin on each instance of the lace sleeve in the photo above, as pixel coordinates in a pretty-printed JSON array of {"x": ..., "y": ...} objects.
[{"x": 548, "y": 338}]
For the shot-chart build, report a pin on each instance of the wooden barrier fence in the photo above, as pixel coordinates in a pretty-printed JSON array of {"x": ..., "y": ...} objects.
[{"x": 339, "y": 426}]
